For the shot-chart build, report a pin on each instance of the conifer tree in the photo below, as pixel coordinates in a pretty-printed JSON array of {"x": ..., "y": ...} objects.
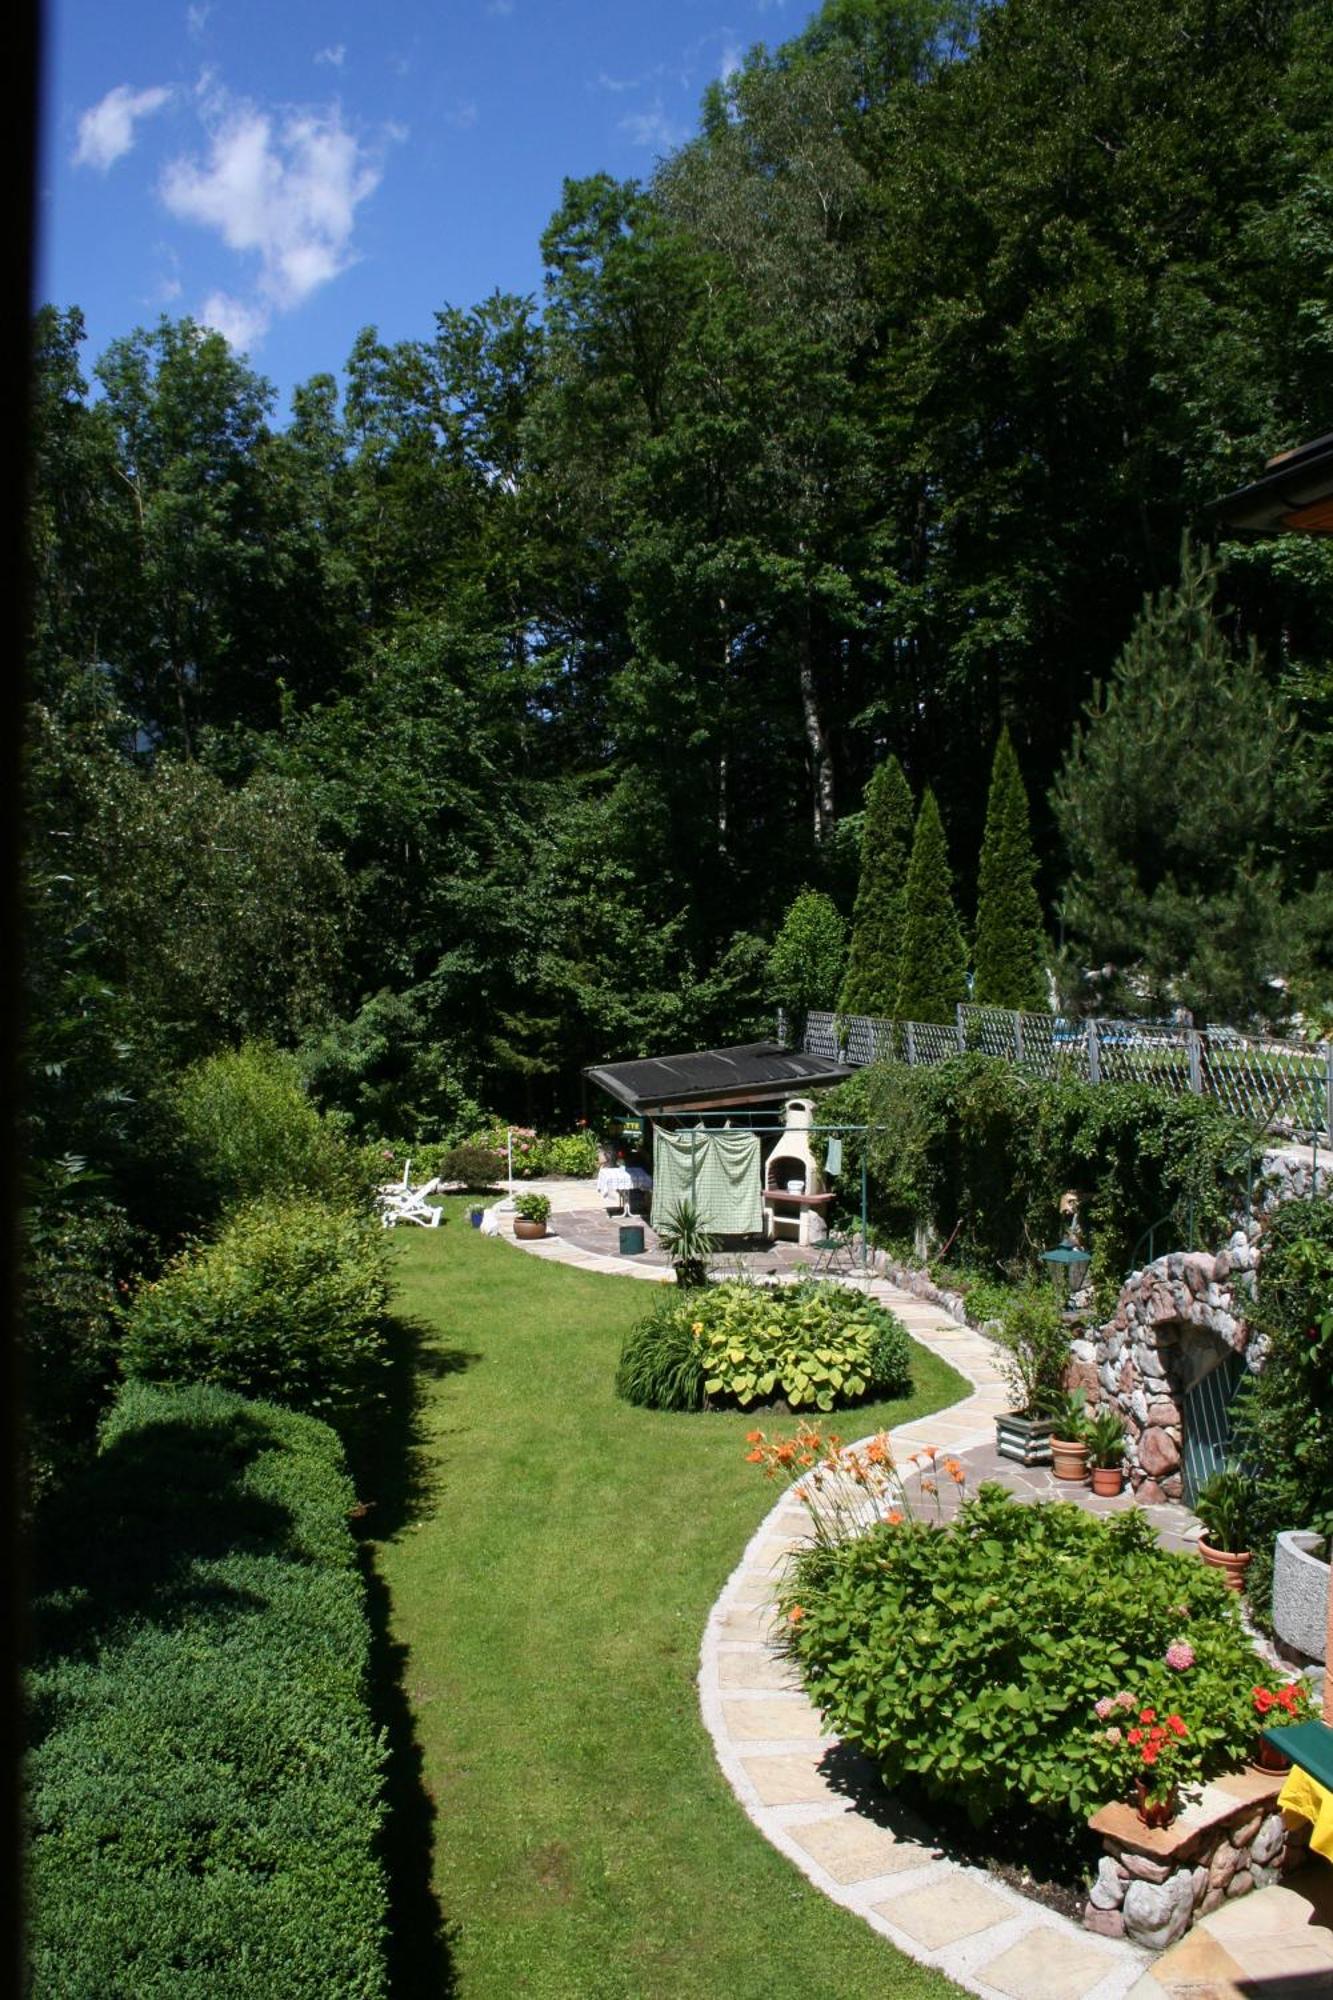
[
  {"x": 932, "y": 972},
  {"x": 1183, "y": 805},
  {"x": 871, "y": 985},
  {"x": 1011, "y": 942}
]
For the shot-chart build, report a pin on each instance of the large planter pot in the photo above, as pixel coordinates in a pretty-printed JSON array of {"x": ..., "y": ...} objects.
[
  {"x": 1108, "y": 1480},
  {"x": 528, "y": 1231},
  {"x": 1265, "y": 1758},
  {"x": 1069, "y": 1460},
  {"x": 1231, "y": 1565},
  {"x": 1025, "y": 1439},
  {"x": 1300, "y": 1593}
]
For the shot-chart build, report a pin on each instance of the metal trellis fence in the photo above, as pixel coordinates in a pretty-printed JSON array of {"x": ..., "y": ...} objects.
[{"x": 1281, "y": 1086}]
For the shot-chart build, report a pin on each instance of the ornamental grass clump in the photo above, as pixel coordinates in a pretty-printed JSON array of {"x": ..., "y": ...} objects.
[
  {"x": 968, "y": 1660},
  {"x": 810, "y": 1345}
]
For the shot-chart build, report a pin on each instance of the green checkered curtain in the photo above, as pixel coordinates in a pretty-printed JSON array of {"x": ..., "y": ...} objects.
[{"x": 717, "y": 1171}]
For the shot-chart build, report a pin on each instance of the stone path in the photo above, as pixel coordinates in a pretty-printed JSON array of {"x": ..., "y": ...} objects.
[{"x": 822, "y": 1806}]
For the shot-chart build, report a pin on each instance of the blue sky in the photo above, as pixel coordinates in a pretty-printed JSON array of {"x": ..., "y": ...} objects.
[{"x": 291, "y": 173}]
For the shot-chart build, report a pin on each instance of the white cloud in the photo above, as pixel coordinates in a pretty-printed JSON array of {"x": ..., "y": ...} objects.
[
  {"x": 731, "y": 62},
  {"x": 106, "y": 132},
  {"x": 617, "y": 83},
  {"x": 196, "y": 19},
  {"x": 285, "y": 190},
  {"x": 463, "y": 116},
  {"x": 333, "y": 56},
  {"x": 653, "y": 128},
  {"x": 242, "y": 326}
]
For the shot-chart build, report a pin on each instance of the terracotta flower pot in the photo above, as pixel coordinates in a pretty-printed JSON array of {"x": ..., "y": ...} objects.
[
  {"x": 1232, "y": 1566},
  {"x": 1157, "y": 1812},
  {"x": 1108, "y": 1480},
  {"x": 1069, "y": 1459},
  {"x": 1265, "y": 1758},
  {"x": 527, "y": 1229}
]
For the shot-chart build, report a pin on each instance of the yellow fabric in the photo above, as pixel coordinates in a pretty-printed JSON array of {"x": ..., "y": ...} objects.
[{"x": 1305, "y": 1796}]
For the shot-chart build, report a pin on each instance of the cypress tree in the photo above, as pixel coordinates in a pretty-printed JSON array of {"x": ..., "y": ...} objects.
[
  {"x": 1011, "y": 942},
  {"x": 932, "y": 970},
  {"x": 871, "y": 985}
]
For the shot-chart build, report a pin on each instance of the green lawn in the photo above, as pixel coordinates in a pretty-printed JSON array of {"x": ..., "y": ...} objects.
[{"x": 545, "y": 1576}]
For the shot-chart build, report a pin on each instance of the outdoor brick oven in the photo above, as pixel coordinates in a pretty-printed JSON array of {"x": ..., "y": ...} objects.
[
  {"x": 794, "y": 1193},
  {"x": 1169, "y": 1362}
]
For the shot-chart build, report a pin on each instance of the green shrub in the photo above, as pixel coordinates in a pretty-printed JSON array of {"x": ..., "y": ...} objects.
[
  {"x": 1283, "y": 1416},
  {"x": 969, "y": 1659},
  {"x": 204, "y": 1787},
  {"x": 76, "y": 1251},
  {"x": 1036, "y": 1344},
  {"x": 249, "y": 1132},
  {"x": 572, "y": 1153},
  {"x": 288, "y": 1302},
  {"x": 979, "y": 1152},
  {"x": 815, "y": 1345},
  {"x": 474, "y": 1166}
]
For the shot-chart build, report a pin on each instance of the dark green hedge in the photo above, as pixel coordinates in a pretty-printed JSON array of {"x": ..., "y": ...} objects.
[
  {"x": 204, "y": 1780},
  {"x": 981, "y": 1153}
]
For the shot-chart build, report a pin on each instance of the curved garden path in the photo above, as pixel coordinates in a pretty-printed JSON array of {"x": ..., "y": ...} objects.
[{"x": 820, "y": 1806}]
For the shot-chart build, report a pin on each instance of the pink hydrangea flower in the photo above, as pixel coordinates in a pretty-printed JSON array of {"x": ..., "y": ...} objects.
[
  {"x": 1114, "y": 1737},
  {"x": 1180, "y": 1655},
  {"x": 1104, "y": 1708}
]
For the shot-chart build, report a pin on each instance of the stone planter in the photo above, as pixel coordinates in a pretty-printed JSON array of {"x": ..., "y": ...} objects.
[
  {"x": 1026, "y": 1439},
  {"x": 1154, "y": 1881},
  {"x": 1300, "y": 1593}
]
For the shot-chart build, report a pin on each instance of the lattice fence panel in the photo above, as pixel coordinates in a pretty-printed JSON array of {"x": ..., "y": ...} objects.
[{"x": 1284, "y": 1086}]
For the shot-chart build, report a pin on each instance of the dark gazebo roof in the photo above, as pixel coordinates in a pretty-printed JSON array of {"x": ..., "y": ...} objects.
[
  {"x": 1295, "y": 491},
  {"x": 712, "y": 1079}
]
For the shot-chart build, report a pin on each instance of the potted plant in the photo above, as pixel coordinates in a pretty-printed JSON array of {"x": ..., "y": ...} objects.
[
  {"x": 687, "y": 1243},
  {"x": 531, "y": 1212},
  {"x": 1293, "y": 1701},
  {"x": 1037, "y": 1355},
  {"x": 1106, "y": 1449},
  {"x": 1069, "y": 1435},
  {"x": 1223, "y": 1506}
]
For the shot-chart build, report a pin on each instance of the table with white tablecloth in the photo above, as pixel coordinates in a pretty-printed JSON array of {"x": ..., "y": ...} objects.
[{"x": 617, "y": 1186}]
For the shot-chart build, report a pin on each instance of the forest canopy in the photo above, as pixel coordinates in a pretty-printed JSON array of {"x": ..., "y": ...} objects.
[{"x": 482, "y": 715}]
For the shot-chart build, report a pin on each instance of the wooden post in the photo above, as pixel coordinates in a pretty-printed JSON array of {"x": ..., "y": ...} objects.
[{"x": 1094, "y": 1054}]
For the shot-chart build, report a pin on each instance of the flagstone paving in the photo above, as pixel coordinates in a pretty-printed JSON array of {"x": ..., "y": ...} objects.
[{"x": 822, "y": 1807}]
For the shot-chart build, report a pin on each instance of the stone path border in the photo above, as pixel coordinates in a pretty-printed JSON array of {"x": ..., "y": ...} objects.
[{"x": 885, "y": 1868}]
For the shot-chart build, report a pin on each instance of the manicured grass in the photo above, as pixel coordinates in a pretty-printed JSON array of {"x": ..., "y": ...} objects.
[{"x": 549, "y": 1584}]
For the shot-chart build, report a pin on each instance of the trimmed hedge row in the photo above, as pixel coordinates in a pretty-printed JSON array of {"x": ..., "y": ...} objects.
[{"x": 204, "y": 1779}]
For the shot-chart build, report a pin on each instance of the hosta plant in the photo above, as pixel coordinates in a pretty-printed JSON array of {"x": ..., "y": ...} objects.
[{"x": 812, "y": 1345}]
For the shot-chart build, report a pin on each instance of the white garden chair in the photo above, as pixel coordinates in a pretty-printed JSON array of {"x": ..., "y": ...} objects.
[{"x": 401, "y": 1202}]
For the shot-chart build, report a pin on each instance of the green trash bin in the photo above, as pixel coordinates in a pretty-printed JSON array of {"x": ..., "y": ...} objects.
[{"x": 631, "y": 1239}]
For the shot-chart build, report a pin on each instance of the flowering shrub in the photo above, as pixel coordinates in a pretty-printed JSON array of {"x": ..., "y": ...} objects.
[
  {"x": 970, "y": 1658},
  {"x": 1292, "y": 1702},
  {"x": 812, "y": 1344}
]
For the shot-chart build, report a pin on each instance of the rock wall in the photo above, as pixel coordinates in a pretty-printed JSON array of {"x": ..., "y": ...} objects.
[
  {"x": 1153, "y": 1898},
  {"x": 1145, "y": 1356}
]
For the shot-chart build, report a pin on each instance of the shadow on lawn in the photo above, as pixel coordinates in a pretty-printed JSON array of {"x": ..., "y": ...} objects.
[{"x": 393, "y": 1480}]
